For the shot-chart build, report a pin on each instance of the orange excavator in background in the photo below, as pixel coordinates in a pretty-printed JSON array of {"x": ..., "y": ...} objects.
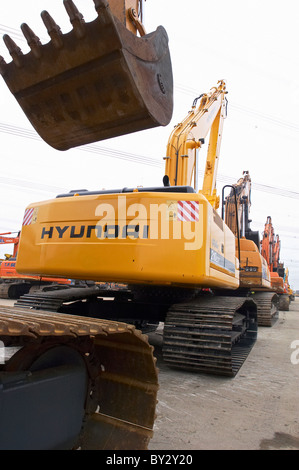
[
  {"x": 13, "y": 284},
  {"x": 89, "y": 383},
  {"x": 270, "y": 249},
  {"x": 255, "y": 277}
]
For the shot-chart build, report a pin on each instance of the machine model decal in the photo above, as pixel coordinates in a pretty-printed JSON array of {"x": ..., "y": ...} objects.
[{"x": 220, "y": 261}]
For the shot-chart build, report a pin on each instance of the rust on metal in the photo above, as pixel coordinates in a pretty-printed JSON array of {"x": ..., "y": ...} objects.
[{"x": 95, "y": 82}]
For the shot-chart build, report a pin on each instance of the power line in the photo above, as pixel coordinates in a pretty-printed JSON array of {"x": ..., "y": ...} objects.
[
  {"x": 19, "y": 183},
  {"x": 16, "y": 33},
  {"x": 29, "y": 134},
  {"x": 243, "y": 109},
  {"x": 143, "y": 160}
]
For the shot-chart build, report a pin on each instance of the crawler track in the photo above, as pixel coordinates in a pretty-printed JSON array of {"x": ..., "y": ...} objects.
[
  {"x": 13, "y": 290},
  {"x": 120, "y": 411},
  {"x": 284, "y": 302},
  {"x": 53, "y": 300},
  {"x": 212, "y": 335},
  {"x": 267, "y": 308}
]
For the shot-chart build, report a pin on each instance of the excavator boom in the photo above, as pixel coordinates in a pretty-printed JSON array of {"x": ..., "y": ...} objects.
[
  {"x": 96, "y": 82},
  {"x": 187, "y": 138},
  {"x": 270, "y": 249}
]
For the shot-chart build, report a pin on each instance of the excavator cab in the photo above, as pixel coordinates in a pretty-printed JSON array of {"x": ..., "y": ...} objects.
[{"x": 102, "y": 79}]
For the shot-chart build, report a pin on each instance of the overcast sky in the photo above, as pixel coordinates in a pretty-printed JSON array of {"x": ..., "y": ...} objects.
[{"x": 252, "y": 45}]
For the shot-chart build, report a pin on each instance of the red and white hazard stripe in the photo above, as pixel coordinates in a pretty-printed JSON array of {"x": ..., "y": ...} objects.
[
  {"x": 188, "y": 211},
  {"x": 28, "y": 216}
]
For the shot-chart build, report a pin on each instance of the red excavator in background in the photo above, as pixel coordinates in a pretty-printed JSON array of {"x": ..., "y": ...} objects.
[
  {"x": 270, "y": 250},
  {"x": 12, "y": 284}
]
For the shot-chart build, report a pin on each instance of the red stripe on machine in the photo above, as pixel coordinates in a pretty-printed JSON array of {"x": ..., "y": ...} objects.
[
  {"x": 188, "y": 211},
  {"x": 28, "y": 216}
]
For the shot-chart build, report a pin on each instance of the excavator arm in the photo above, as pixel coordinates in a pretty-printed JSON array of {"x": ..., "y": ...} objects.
[
  {"x": 276, "y": 252},
  {"x": 236, "y": 208},
  {"x": 188, "y": 137},
  {"x": 267, "y": 242},
  {"x": 237, "y": 205},
  {"x": 103, "y": 79},
  {"x": 270, "y": 249}
]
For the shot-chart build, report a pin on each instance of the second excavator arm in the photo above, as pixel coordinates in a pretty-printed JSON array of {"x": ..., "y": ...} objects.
[
  {"x": 236, "y": 209},
  {"x": 268, "y": 242}
]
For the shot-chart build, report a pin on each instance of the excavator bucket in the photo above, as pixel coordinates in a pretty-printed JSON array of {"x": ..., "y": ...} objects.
[{"x": 98, "y": 81}]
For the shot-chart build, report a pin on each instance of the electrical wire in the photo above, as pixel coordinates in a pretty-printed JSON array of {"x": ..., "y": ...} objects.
[
  {"x": 143, "y": 160},
  {"x": 243, "y": 109}
]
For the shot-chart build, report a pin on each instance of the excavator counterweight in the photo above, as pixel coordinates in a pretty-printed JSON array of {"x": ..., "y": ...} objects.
[{"x": 98, "y": 81}]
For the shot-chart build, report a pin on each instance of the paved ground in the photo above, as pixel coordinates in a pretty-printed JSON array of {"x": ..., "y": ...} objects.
[{"x": 257, "y": 409}]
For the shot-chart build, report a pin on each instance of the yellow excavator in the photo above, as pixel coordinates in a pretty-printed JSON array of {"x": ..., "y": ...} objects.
[
  {"x": 67, "y": 381},
  {"x": 255, "y": 277},
  {"x": 167, "y": 244}
]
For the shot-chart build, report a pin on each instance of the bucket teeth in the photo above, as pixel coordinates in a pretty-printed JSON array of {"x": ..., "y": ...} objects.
[
  {"x": 14, "y": 50},
  {"x": 76, "y": 18},
  {"x": 33, "y": 41},
  {"x": 53, "y": 29},
  {"x": 2, "y": 65},
  {"x": 100, "y": 4},
  {"x": 77, "y": 90}
]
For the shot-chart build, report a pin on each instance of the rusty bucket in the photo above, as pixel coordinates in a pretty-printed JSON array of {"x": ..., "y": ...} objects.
[{"x": 95, "y": 82}]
